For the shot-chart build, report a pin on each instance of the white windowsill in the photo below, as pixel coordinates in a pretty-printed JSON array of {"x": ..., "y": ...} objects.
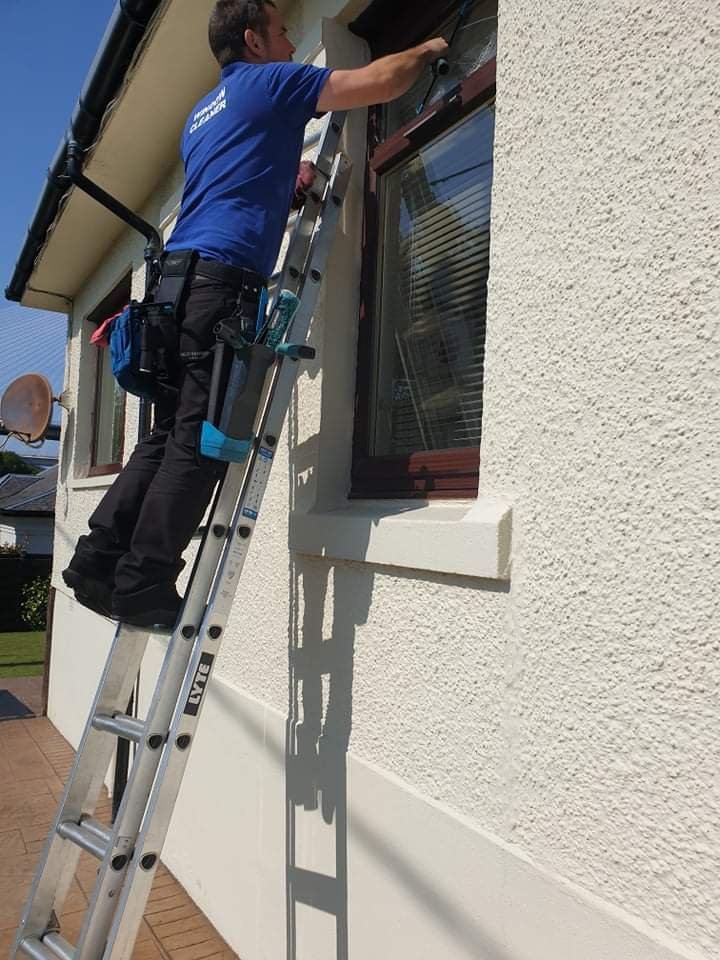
[
  {"x": 469, "y": 538},
  {"x": 91, "y": 483}
]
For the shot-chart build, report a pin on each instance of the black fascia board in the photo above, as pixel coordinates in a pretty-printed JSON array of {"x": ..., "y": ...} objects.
[{"x": 125, "y": 30}]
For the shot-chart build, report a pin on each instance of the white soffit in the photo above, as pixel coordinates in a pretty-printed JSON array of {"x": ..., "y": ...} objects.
[{"x": 139, "y": 145}]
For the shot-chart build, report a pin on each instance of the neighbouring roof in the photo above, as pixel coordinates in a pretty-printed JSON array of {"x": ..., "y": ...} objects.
[
  {"x": 13, "y": 483},
  {"x": 29, "y": 495}
]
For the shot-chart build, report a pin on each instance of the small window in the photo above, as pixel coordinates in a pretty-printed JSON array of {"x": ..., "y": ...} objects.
[
  {"x": 108, "y": 414},
  {"x": 425, "y": 272}
]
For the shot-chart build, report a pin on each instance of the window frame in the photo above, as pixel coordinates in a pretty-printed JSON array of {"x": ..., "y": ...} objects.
[
  {"x": 109, "y": 305},
  {"x": 450, "y": 473}
]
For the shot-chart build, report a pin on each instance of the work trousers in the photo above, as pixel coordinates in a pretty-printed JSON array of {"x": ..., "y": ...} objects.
[{"x": 148, "y": 516}]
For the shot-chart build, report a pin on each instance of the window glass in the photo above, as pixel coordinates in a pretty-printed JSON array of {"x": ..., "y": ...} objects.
[
  {"x": 108, "y": 409},
  {"x": 475, "y": 44},
  {"x": 432, "y": 271},
  {"x": 109, "y": 414}
]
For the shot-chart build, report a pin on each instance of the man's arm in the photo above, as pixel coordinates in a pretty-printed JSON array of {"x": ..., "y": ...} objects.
[{"x": 380, "y": 81}]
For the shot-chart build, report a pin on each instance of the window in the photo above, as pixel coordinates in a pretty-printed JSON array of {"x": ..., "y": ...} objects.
[
  {"x": 425, "y": 269},
  {"x": 108, "y": 412}
]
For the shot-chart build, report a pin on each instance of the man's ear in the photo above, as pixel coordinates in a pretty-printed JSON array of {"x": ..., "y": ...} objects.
[{"x": 252, "y": 42}]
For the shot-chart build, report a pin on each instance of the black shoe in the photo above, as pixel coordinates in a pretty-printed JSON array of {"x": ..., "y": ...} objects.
[
  {"x": 157, "y": 606},
  {"x": 96, "y": 595}
]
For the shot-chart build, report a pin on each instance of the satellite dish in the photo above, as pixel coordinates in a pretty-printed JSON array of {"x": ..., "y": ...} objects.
[{"x": 26, "y": 407}]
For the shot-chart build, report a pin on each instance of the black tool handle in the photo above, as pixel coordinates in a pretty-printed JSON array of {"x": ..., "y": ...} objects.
[{"x": 146, "y": 353}]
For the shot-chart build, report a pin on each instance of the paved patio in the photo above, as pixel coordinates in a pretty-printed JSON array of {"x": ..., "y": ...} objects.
[{"x": 34, "y": 762}]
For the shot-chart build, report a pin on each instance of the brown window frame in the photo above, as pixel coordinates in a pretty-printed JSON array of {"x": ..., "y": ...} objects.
[
  {"x": 109, "y": 305},
  {"x": 451, "y": 473}
]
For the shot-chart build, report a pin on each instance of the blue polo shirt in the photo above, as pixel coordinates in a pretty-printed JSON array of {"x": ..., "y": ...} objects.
[{"x": 241, "y": 148}]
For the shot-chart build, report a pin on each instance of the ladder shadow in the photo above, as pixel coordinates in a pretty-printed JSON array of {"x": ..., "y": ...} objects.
[{"x": 317, "y": 737}]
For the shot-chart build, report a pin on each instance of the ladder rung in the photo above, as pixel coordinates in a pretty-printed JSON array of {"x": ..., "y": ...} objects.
[
  {"x": 50, "y": 947},
  {"x": 36, "y": 949},
  {"x": 315, "y": 889},
  {"x": 100, "y": 830},
  {"x": 88, "y": 838},
  {"x": 59, "y": 947},
  {"x": 121, "y": 726}
]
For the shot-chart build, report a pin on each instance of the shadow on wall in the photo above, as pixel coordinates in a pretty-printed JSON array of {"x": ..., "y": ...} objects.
[
  {"x": 320, "y": 672},
  {"x": 320, "y": 678},
  {"x": 317, "y": 738}
]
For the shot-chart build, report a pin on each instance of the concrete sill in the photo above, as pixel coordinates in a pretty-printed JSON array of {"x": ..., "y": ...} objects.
[
  {"x": 93, "y": 483},
  {"x": 469, "y": 538}
]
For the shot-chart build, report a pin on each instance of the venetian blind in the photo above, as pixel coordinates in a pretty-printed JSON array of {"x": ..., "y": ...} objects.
[{"x": 433, "y": 294}]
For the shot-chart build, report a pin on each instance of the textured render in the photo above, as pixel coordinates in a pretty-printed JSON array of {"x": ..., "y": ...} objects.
[
  {"x": 601, "y": 420},
  {"x": 575, "y": 716}
]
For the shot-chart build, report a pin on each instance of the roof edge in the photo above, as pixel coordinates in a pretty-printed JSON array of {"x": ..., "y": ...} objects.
[{"x": 124, "y": 33}]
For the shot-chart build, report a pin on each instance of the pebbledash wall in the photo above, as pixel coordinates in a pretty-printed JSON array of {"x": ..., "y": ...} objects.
[{"x": 531, "y": 679}]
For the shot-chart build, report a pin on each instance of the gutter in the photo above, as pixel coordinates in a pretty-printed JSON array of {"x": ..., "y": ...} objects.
[{"x": 124, "y": 33}]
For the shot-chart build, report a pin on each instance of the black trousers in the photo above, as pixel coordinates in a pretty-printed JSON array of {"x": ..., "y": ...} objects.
[{"x": 147, "y": 518}]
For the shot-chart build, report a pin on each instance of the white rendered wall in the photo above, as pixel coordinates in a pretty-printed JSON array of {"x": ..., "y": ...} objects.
[{"x": 532, "y": 769}]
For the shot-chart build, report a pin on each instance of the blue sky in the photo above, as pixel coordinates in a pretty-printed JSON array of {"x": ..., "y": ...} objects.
[{"x": 46, "y": 49}]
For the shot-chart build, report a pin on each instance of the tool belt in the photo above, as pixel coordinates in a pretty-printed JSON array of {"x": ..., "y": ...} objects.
[{"x": 144, "y": 342}]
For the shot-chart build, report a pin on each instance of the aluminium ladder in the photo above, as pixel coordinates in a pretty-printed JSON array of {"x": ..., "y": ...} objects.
[{"x": 128, "y": 852}]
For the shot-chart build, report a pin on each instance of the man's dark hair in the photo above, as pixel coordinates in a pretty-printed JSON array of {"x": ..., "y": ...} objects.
[{"x": 228, "y": 23}]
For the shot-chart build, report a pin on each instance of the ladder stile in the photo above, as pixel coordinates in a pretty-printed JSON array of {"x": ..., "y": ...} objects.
[{"x": 129, "y": 850}]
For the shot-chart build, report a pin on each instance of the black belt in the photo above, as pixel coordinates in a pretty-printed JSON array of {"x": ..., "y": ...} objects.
[{"x": 247, "y": 281}]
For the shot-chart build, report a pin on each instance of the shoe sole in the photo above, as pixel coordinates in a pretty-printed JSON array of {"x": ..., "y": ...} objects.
[{"x": 77, "y": 584}]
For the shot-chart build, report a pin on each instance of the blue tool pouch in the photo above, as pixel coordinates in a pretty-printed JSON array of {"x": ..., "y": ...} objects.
[{"x": 141, "y": 349}]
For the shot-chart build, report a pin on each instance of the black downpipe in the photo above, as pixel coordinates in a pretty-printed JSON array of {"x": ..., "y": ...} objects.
[
  {"x": 153, "y": 248},
  {"x": 74, "y": 169}
]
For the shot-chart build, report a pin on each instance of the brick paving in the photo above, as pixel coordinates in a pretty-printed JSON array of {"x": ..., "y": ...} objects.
[{"x": 34, "y": 762}]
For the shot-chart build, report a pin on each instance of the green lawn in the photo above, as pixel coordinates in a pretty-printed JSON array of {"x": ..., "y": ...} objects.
[{"x": 22, "y": 654}]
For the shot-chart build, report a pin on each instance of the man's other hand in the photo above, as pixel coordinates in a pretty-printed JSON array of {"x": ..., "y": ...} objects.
[{"x": 303, "y": 183}]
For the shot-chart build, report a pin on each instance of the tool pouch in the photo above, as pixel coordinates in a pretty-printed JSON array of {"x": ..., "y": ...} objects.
[
  {"x": 144, "y": 348},
  {"x": 228, "y": 434},
  {"x": 141, "y": 350}
]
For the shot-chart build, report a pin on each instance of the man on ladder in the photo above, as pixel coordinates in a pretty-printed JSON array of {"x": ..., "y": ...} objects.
[{"x": 241, "y": 147}]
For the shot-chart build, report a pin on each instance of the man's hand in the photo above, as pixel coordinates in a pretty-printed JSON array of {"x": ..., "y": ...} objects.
[
  {"x": 437, "y": 47},
  {"x": 380, "y": 81},
  {"x": 303, "y": 183}
]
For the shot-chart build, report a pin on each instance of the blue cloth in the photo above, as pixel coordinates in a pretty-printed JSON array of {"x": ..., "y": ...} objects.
[{"x": 241, "y": 148}]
